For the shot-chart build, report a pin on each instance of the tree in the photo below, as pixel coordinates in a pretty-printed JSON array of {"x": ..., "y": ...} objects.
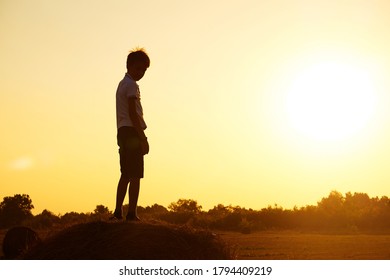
[
  {"x": 155, "y": 210},
  {"x": 183, "y": 211},
  {"x": 332, "y": 204},
  {"x": 14, "y": 210},
  {"x": 101, "y": 210},
  {"x": 44, "y": 220},
  {"x": 221, "y": 210},
  {"x": 185, "y": 206},
  {"x": 74, "y": 218}
]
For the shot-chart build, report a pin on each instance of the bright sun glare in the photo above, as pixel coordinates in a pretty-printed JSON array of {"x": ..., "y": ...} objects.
[{"x": 330, "y": 101}]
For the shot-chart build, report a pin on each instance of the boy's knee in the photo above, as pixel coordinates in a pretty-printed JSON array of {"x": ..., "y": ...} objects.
[{"x": 135, "y": 180}]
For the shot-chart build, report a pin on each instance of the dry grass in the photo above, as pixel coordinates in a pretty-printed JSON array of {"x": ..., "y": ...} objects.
[
  {"x": 129, "y": 240},
  {"x": 159, "y": 241},
  {"x": 18, "y": 240},
  {"x": 284, "y": 245},
  {"x": 2, "y": 234}
]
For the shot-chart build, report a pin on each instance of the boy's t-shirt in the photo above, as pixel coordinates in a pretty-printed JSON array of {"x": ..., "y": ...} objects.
[{"x": 128, "y": 88}]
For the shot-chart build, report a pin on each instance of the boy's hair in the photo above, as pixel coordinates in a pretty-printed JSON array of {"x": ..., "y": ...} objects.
[{"x": 137, "y": 55}]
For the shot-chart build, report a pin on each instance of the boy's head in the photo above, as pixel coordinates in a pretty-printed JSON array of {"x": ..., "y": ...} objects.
[{"x": 137, "y": 63}]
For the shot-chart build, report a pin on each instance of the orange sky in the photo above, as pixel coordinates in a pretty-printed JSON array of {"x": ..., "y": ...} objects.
[{"x": 248, "y": 103}]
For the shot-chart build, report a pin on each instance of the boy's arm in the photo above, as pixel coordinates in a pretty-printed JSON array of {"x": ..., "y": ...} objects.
[
  {"x": 135, "y": 119},
  {"x": 137, "y": 125}
]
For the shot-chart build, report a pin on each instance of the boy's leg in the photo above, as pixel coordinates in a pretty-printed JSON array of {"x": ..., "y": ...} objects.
[
  {"x": 133, "y": 198},
  {"x": 120, "y": 196}
]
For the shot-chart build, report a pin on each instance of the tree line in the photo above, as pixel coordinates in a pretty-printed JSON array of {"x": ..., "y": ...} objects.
[{"x": 350, "y": 212}]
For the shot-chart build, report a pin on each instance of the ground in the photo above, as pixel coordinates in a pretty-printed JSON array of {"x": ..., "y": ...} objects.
[{"x": 286, "y": 245}]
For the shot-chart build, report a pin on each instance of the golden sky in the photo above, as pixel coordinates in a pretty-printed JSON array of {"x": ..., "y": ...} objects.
[{"x": 248, "y": 103}]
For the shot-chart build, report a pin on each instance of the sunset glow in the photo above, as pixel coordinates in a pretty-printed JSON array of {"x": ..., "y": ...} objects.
[
  {"x": 331, "y": 101},
  {"x": 248, "y": 103}
]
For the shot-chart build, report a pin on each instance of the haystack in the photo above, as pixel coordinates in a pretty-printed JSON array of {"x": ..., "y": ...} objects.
[
  {"x": 131, "y": 240},
  {"x": 18, "y": 240}
]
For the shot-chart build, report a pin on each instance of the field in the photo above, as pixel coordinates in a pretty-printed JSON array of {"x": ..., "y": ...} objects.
[{"x": 286, "y": 245}]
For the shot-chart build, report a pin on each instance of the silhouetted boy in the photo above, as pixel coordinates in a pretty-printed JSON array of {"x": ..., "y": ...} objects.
[{"x": 132, "y": 141}]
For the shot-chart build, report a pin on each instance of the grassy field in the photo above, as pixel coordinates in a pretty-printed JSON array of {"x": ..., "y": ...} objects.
[{"x": 286, "y": 245}]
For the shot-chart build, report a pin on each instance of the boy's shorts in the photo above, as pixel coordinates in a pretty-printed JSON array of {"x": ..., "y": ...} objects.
[{"x": 130, "y": 153}]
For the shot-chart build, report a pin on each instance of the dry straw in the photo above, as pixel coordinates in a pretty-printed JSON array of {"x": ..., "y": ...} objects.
[{"x": 130, "y": 240}]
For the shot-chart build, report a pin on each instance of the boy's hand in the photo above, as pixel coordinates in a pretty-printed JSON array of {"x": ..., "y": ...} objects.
[{"x": 145, "y": 146}]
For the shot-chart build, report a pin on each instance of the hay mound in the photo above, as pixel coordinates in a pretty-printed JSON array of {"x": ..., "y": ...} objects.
[
  {"x": 123, "y": 240},
  {"x": 18, "y": 240}
]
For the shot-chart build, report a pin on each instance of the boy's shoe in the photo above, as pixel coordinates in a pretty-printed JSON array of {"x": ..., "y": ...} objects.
[
  {"x": 132, "y": 218},
  {"x": 117, "y": 216}
]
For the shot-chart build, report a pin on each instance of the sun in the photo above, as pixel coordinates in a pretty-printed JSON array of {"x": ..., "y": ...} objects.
[{"x": 330, "y": 101}]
